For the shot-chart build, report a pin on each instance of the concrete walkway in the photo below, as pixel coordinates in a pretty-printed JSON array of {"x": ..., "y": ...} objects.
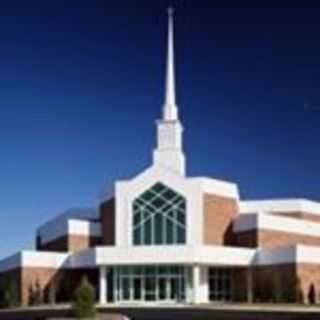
[{"x": 177, "y": 312}]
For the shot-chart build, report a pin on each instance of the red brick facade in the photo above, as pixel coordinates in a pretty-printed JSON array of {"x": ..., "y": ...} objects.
[
  {"x": 309, "y": 276},
  {"x": 70, "y": 243},
  {"x": 217, "y": 219},
  {"x": 273, "y": 239},
  {"x": 299, "y": 215},
  {"x": 31, "y": 277},
  {"x": 108, "y": 221},
  {"x": 55, "y": 285}
]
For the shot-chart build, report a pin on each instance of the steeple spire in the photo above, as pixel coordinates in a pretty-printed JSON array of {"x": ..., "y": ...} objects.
[
  {"x": 169, "y": 153},
  {"x": 170, "y": 111}
]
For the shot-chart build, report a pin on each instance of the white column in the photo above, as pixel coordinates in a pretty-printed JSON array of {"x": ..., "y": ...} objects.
[
  {"x": 204, "y": 285},
  {"x": 103, "y": 285},
  {"x": 200, "y": 284}
]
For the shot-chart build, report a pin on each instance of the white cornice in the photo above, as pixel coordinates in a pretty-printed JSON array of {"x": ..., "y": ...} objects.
[
  {"x": 187, "y": 255},
  {"x": 281, "y": 205},
  {"x": 205, "y": 255},
  {"x": 217, "y": 187},
  {"x": 34, "y": 259}
]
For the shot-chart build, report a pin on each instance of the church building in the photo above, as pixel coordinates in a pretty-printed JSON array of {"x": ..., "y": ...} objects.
[{"x": 165, "y": 237}]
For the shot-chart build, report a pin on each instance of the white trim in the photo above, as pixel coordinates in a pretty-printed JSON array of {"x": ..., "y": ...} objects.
[
  {"x": 205, "y": 255},
  {"x": 127, "y": 191},
  {"x": 34, "y": 259},
  {"x": 217, "y": 187},
  {"x": 308, "y": 254},
  {"x": 38, "y": 259},
  {"x": 183, "y": 255},
  {"x": 263, "y": 221},
  {"x": 281, "y": 205},
  {"x": 63, "y": 227},
  {"x": 84, "y": 228}
]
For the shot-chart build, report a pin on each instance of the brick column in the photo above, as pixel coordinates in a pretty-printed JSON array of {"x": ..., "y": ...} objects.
[
  {"x": 103, "y": 290},
  {"x": 250, "y": 285}
]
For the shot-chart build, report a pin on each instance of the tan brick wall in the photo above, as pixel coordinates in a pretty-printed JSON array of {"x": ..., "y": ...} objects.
[
  {"x": 281, "y": 283},
  {"x": 309, "y": 275},
  {"x": 77, "y": 243},
  {"x": 108, "y": 220},
  {"x": 45, "y": 277},
  {"x": 272, "y": 239},
  {"x": 299, "y": 215},
  {"x": 217, "y": 219},
  {"x": 56, "y": 285},
  {"x": 275, "y": 283},
  {"x": 70, "y": 243}
]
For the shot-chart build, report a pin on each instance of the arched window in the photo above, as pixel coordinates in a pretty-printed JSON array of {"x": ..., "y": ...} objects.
[{"x": 159, "y": 217}]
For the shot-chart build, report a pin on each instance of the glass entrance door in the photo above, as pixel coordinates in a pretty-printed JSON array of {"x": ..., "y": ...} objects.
[
  {"x": 150, "y": 284},
  {"x": 162, "y": 288},
  {"x": 137, "y": 289}
]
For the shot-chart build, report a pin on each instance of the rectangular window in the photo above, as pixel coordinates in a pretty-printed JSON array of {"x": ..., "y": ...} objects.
[
  {"x": 148, "y": 234},
  {"x": 181, "y": 235},
  {"x": 137, "y": 236},
  {"x": 169, "y": 231},
  {"x": 158, "y": 229},
  {"x": 219, "y": 284}
]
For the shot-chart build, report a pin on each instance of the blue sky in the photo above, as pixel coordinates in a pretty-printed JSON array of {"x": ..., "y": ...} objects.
[{"x": 81, "y": 85}]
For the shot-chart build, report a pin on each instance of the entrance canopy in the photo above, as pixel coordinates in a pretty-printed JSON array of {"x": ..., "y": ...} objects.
[{"x": 146, "y": 255}]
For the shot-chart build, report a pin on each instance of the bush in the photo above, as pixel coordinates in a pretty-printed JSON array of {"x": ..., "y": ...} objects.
[
  {"x": 84, "y": 301},
  {"x": 289, "y": 294},
  {"x": 10, "y": 295}
]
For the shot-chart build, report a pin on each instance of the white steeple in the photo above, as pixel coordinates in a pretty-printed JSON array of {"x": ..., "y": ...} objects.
[
  {"x": 169, "y": 152},
  {"x": 170, "y": 111}
]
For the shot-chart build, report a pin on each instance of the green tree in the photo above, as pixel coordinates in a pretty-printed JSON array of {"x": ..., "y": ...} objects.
[
  {"x": 10, "y": 295},
  {"x": 83, "y": 305}
]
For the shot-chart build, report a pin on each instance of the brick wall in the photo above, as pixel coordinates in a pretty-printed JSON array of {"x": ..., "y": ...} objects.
[
  {"x": 275, "y": 283},
  {"x": 31, "y": 277},
  {"x": 272, "y": 239},
  {"x": 217, "y": 219},
  {"x": 299, "y": 215},
  {"x": 55, "y": 285},
  {"x": 70, "y": 243},
  {"x": 309, "y": 275},
  {"x": 108, "y": 220}
]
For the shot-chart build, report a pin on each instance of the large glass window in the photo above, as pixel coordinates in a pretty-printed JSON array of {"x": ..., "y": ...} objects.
[
  {"x": 151, "y": 283},
  {"x": 159, "y": 217},
  {"x": 219, "y": 284}
]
